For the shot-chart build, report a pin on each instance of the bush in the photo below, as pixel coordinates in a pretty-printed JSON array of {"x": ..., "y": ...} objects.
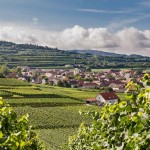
[
  {"x": 121, "y": 126},
  {"x": 16, "y": 134}
]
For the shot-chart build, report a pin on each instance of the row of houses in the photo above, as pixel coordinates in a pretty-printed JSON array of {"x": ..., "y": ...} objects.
[{"x": 115, "y": 79}]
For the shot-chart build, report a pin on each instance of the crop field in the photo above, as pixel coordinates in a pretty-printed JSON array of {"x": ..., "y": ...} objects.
[
  {"x": 5, "y": 94},
  {"x": 53, "y": 111},
  {"x": 31, "y": 93},
  {"x": 52, "y": 140},
  {"x": 53, "y": 92},
  {"x": 13, "y": 82},
  {"x": 73, "y": 93},
  {"x": 41, "y": 102},
  {"x": 56, "y": 117}
]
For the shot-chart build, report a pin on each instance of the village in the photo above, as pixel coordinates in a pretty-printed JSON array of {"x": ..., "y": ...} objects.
[
  {"x": 113, "y": 79},
  {"x": 109, "y": 82}
]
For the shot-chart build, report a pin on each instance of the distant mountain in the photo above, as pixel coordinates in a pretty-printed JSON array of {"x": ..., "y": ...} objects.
[{"x": 97, "y": 52}]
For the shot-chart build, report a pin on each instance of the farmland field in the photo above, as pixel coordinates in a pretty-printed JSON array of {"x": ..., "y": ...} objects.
[
  {"x": 13, "y": 82},
  {"x": 100, "y": 70},
  {"x": 52, "y": 140},
  {"x": 56, "y": 117},
  {"x": 53, "y": 111}
]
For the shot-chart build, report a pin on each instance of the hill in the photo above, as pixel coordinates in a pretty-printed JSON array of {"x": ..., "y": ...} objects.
[
  {"x": 97, "y": 52},
  {"x": 35, "y": 56}
]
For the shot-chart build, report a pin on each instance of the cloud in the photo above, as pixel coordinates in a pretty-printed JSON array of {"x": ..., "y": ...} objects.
[
  {"x": 107, "y": 11},
  {"x": 127, "y": 40},
  {"x": 145, "y": 4},
  {"x": 123, "y": 22},
  {"x": 35, "y": 21}
]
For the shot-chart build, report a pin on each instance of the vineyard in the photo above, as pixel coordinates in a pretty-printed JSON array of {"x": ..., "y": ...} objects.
[
  {"x": 51, "y": 138},
  {"x": 43, "y": 102},
  {"x": 53, "y": 111},
  {"x": 13, "y": 82},
  {"x": 55, "y": 117}
]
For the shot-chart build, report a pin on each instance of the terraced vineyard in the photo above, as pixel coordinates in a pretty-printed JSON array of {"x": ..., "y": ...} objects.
[
  {"x": 53, "y": 111},
  {"x": 13, "y": 82},
  {"x": 37, "y": 56}
]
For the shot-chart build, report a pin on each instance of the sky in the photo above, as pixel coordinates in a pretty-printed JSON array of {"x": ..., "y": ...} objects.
[{"x": 120, "y": 26}]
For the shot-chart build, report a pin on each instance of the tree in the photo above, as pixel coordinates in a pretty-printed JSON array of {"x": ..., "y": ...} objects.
[
  {"x": 121, "y": 126},
  {"x": 16, "y": 134},
  {"x": 66, "y": 84},
  {"x": 4, "y": 70},
  {"x": 60, "y": 83},
  {"x": 2, "y": 76}
]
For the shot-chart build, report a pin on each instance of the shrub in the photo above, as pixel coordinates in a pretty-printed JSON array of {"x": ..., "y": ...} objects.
[
  {"x": 16, "y": 134},
  {"x": 121, "y": 126}
]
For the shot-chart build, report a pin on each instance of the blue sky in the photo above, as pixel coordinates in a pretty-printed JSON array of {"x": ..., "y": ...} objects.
[
  {"x": 61, "y": 14},
  {"x": 102, "y": 23}
]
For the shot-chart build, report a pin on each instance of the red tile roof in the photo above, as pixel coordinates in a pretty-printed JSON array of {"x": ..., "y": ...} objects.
[
  {"x": 109, "y": 95},
  {"x": 90, "y": 84},
  {"x": 91, "y": 99}
]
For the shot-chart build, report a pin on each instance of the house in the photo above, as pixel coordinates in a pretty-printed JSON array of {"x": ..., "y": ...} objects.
[
  {"x": 89, "y": 85},
  {"x": 117, "y": 87},
  {"x": 107, "y": 97},
  {"x": 76, "y": 71},
  {"x": 103, "y": 98}
]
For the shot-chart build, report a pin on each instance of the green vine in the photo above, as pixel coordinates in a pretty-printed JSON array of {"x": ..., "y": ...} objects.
[
  {"x": 121, "y": 126},
  {"x": 16, "y": 134}
]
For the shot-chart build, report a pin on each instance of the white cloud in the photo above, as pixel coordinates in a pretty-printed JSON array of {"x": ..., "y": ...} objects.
[
  {"x": 145, "y": 4},
  {"x": 127, "y": 40},
  {"x": 107, "y": 11},
  {"x": 35, "y": 21},
  {"x": 116, "y": 24}
]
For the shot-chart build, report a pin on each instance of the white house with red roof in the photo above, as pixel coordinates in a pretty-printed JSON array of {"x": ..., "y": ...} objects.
[
  {"x": 103, "y": 98},
  {"x": 107, "y": 97}
]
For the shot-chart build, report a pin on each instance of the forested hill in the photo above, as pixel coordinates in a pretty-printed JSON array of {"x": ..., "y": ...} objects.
[{"x": 35, "y": 56}]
